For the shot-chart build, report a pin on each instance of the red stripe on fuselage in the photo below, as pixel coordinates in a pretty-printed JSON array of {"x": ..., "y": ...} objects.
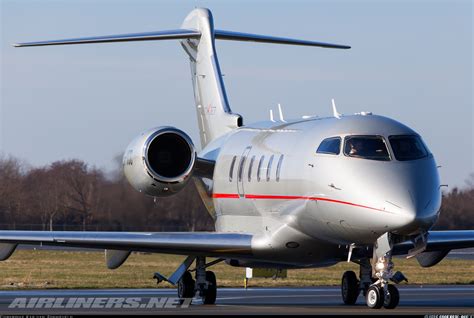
[
  {"x": 288, "y": 197},
  {"x": 225, "y": 196},
  {"x": 275, "y": 197}
]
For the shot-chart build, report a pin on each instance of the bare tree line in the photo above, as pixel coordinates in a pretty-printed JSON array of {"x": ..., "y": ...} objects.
[
  {"x": 457, "y": 209},
  {"x": 70, "y": 195}
]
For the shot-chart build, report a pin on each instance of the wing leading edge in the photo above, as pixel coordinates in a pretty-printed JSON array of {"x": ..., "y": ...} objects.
[{"x": 180, "y": 243}]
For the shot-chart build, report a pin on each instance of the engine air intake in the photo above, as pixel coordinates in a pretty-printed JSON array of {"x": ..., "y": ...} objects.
[{"x": 169, "y": 155}]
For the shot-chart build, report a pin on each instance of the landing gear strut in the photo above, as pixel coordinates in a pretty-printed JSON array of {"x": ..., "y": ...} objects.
[{"x": 381, "y": 293}]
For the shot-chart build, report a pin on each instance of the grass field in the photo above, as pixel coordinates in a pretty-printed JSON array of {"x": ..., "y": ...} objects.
[{"x": 29, "y": 269}]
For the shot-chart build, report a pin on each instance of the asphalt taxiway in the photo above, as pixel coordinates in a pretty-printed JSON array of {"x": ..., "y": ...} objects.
[{"x": 420, "y": 300}]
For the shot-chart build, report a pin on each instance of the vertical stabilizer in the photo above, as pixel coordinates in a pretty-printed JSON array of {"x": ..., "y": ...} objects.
[
  {"x": 197, "y": 36},
  {"x": 215, "y": 117}
]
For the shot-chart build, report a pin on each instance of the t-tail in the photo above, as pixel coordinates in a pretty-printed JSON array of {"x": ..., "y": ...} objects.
[{"x": 197, "y": 35}]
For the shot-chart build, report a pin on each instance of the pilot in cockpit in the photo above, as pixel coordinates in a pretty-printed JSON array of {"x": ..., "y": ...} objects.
[{"x": 354, "y": 146}]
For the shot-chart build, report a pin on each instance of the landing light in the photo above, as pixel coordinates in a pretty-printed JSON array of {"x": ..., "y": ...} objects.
[{"x": 380, "y": 266}]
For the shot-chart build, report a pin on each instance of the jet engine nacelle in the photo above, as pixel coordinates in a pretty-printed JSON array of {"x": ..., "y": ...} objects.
[{"x": 160, "y": 161}]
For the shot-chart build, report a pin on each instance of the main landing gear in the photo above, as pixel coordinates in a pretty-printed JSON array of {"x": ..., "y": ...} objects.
[
  {"x": 374, "y": 280},
  {"x": 205, "y": 284}
]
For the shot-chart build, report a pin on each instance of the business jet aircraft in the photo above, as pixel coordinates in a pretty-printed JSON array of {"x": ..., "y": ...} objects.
[{"x": 284, "y": 194}]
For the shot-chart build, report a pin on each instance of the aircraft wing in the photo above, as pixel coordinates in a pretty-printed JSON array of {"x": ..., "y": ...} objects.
[
  {"x": 441, "y": 240},
  {"x": 438, "y": 240},
  {"x": 211, "y": 244},
  {"x": 438, "y": 245}
]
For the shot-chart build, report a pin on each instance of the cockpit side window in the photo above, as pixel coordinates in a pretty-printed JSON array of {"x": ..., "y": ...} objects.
[
  {"x": 330, "y": 146},
  {"x": 408, "y": 147},
  {"x": 366, "y": 147}
]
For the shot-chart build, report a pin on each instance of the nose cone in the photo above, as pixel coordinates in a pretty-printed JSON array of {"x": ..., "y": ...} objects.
[
  {"x": 416, "y": 196},
  {"x": 418, "y": 211},
  {"x": 403, "y": 196}
]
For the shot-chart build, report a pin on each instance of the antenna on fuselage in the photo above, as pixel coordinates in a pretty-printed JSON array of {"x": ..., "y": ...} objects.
[
  {"x": 334, "y": 110},
  {"x": 271, "y": 116},
  {"x": 281, "y": 113}
]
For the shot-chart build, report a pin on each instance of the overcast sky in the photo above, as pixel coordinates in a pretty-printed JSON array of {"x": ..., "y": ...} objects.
[{"x": 411, "y": 61}]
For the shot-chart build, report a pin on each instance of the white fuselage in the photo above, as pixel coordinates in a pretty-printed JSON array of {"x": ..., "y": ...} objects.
[{"x": 304, "y": 196}]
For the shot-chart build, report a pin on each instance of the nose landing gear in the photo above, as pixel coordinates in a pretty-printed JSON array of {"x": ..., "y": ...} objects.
[
  {"x": 381, "y": 293},
  {"x": 377, "y": 296},
  {"x": 374, "y": 297},
  {"x": 374, "y": 280}
]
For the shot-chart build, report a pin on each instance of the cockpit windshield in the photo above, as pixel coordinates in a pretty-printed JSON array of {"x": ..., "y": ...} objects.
[
  {"x": 366, "y": 147},
  {"x": 408, "y": 147}
]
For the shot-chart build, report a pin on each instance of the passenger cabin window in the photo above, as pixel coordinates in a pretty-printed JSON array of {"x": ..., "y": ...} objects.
[
  {"x": 260, "y": 164},
  {"x": 331, "y": 146},
  {"x": 279, "y": 168},
  {"x": 249, "y": 177},
  {"x": 241, "y": 168},
  {"x": 231, "y": 170},
  {"x": 408, "y": 147},
  {"x": 366, "y": 147},
  {"x": 269, "y": 167}
]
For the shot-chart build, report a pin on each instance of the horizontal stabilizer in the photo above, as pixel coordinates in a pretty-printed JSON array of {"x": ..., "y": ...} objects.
[
  {"x": 183, "y": 34},
  {"x": 146, "y": 36},
  {"x": 238, "y": 36}
]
